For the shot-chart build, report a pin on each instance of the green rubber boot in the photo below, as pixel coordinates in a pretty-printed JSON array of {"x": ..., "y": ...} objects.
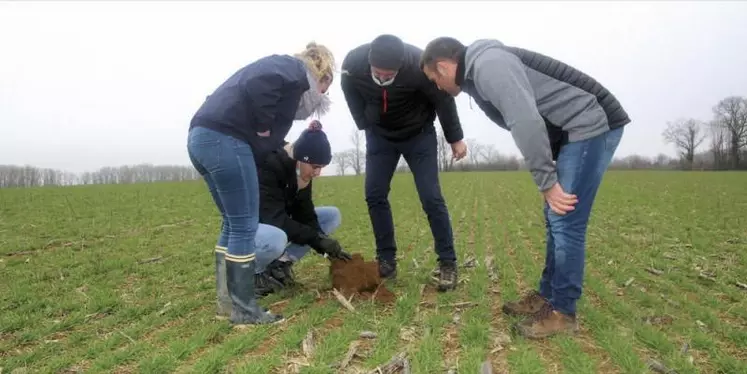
[
  {"x": 223, "y": 300},
  {"x": 246, "y": 311}
]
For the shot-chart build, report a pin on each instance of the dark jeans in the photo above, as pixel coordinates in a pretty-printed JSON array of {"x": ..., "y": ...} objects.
[
  {"x": 227, "y": 165},
  {"x": 420, "y": 153},
  {"x": 580, "y": 166}
]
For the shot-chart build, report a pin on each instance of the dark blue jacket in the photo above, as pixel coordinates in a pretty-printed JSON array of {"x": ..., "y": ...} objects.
[{"x": 261, "y": 96}]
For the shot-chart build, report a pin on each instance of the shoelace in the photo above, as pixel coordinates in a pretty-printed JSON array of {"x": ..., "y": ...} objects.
[
  {"x": 528, "y": 298},
  {"x": 448, "y": 273},
  {"x": 544, "y": 313}
]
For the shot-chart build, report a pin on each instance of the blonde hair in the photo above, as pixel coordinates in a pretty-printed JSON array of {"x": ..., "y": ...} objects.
[{"x": 319, "y": 59}]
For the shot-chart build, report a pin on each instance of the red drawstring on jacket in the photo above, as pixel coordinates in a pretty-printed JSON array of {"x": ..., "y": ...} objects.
[{"x": 384, "y": 96}]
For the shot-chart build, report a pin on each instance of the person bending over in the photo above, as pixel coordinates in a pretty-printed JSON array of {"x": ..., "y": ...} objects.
[
  {"x": 567, "y": 126},
  {"x": 289, "y": 223},
  {"x": 234, "y": 128},
  {"x": 391, "y": 99}
]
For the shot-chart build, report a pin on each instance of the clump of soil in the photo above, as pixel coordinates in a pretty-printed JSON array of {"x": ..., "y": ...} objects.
[{"x": 360, "y": 278}]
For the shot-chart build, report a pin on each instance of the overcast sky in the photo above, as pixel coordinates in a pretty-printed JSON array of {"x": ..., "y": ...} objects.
[{"x": 92, "y": 84}]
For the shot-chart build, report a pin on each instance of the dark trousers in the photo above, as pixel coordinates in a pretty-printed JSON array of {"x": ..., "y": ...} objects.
[{"x": 421, "y": 155}]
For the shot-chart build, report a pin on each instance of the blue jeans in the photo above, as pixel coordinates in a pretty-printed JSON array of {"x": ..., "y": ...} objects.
[
  {"x": 227, "y": 166},
  {"x": 271, "y": 241},
  {"x": 580, "y": 167}
]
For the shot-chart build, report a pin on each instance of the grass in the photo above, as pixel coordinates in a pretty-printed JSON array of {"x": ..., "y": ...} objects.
[{"x": 119, "y": 278}]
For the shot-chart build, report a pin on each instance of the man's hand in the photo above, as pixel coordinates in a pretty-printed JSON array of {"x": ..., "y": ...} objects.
[
  {"x": 264, "y": 134},
  {"x": 458, "y": 150},
  {"x": 333, "y": 249},
  {"x": 559, "y": 201}
]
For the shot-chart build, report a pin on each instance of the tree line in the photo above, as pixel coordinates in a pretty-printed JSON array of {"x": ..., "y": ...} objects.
[
  {"x": 718, "y": 143},
  {"x": 29, "y": 176}
]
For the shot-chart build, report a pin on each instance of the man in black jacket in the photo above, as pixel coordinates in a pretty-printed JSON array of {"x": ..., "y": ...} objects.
[
  {"x": 289, "y": 222},
  {"x": 394, "y": 102}
]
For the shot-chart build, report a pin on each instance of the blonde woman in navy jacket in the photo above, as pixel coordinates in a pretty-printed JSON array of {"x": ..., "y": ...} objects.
[{"x": 243, "y": 120}]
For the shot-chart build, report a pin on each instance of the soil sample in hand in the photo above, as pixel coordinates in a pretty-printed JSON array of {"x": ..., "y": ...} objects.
[{"x": 359, "y": 277}]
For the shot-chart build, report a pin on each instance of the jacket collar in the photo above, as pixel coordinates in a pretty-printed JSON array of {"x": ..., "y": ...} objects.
[{"x": 461, "y": 68}]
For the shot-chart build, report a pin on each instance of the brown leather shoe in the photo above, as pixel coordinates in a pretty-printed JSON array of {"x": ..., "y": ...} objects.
[
  {"x": 530, "y": 304},
  {"x": 547, "y": 322}
]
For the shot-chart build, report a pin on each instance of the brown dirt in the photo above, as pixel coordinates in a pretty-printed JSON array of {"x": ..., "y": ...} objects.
[{"x": 360, "y": 278}]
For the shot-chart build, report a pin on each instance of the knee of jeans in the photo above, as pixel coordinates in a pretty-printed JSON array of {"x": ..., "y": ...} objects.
[
  {"x": 559, "y": 256},
  {"x": 431, "y": 198},
  {"x": 376, "y": 195},
  {"x": 279, "y": 238},
  {"x": 276, "y": 239},
  {"x": 244, "y": 225},
  {"x": 330, "y": 218}
]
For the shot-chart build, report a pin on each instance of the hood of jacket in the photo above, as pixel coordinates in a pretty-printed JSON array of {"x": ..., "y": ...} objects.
[{"x": 474, "y": 51}]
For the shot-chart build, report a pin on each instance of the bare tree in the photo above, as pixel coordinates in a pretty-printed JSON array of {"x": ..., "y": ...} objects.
[
  {"x": 474, "y": 152},
  {"x": 445, "y": 161},
  {"x": 358, "y": 153},
  {"x": 341, "y": 160},
  {"x": 686, "y": 136},
  {"x": 731, "y": 114},
  {"x": 718, "y": 145}
]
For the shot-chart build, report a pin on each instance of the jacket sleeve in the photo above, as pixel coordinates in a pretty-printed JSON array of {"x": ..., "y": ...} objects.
[
  {"x": 305, "y": 211},
  {"x": 501, "y": 79},
  {"x": 272, "y": 209},
  {"x": 355, "y": 101},
  {"x": 265, "y": 90},
  {"x": 445, "y": 109}
]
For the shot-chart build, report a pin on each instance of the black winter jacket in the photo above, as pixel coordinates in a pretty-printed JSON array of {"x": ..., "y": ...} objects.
[
  {"x": 403, "y": 109},
  {"x": 281, "y": 203}
]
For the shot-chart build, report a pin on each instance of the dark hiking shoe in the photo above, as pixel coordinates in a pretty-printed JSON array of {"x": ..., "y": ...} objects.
[
  {"x": 282, "y": 271},
  {"x": 530, "y": 304},
  {"x": 223, "y": 301},
  {"x": 447, "y": 276},
  {"x": 388, "y": 269},
  {"x": 547, "y": 322},
  {"x": 265, "y": 284},
  {"x": 245, "y": 309}
]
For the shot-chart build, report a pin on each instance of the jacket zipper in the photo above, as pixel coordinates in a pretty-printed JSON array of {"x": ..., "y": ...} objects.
[{"x": 384, "y": 95}]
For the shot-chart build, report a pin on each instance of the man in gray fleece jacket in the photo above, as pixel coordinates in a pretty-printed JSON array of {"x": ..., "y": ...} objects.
[{"x": 567, "y": 126}]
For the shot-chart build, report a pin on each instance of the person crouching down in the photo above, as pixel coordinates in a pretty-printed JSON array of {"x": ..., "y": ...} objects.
[{"x": 289, "y": 223}]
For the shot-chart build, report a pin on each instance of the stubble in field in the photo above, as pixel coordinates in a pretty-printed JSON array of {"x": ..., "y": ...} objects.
[{"x": 120, "y": 279}]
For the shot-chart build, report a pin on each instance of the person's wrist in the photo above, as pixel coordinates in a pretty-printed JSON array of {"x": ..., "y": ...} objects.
[{"x": 316, "y": 243}]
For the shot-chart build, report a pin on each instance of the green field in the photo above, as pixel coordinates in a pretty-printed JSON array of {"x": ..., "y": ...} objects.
[{"x": 119, "y": 279}]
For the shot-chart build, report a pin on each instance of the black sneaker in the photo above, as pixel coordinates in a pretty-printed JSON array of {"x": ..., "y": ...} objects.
[
  {"x": 265, "y": 284},
  {"x": 288, "y": 276},
  {"x": 447, "y": 276},
  {"x": 388, "y": 269},
  {"x": 281, "y": 271}
]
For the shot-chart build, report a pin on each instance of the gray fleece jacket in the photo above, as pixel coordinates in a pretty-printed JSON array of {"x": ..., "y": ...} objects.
[{"x": 545, "y": 103}]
